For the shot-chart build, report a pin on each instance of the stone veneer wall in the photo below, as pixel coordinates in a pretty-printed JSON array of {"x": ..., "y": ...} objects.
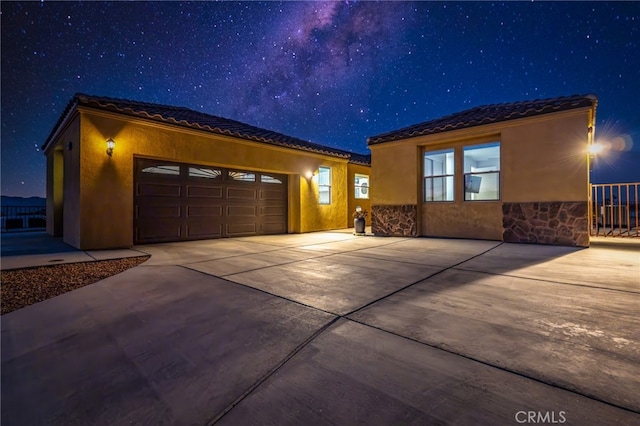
[
  {"x": 559, "y": 223},
  {"x": 396, "y": 221}
]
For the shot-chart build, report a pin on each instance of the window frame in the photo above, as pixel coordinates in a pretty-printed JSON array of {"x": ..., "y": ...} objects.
[
  {"x": 358, "y": 195},
  {"x": 326, "y": 186},
  {"x": 431, "y": 177},
  {"x": 496, "y": 173}
]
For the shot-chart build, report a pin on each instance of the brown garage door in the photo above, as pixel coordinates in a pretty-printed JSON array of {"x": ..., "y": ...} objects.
[{"x": 174, "y": 202}]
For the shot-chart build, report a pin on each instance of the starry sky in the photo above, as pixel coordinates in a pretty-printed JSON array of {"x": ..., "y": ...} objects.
[{"x": 333, "y": 73}]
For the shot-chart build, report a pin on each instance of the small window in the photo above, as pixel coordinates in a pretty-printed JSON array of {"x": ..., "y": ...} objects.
[
  {"x": 162, "y": 170},
  {"x": 438, "y": 175},
  {"x": 204, "y": 173},
  {"x": 324, "y": 185},
  {"x": 482, "y": 172},
  {"x": 362, "y": 186},
  {"x": 269, "y": 179},
  {"x": 243, "y": 176}
]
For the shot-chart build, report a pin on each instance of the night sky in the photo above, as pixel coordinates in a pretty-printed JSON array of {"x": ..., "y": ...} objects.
[{"x": 332, "y": 73}]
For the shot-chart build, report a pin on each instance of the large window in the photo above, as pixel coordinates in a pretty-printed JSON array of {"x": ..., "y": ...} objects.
[
  {"x": 482, "y": 172},
  {"x": 362, "y": 186},
  {"x": 324, "y": 185},
  {"x": 438, "y": 175}
]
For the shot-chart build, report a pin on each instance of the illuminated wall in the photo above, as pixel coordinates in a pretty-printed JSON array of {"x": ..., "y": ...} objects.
[
  {"x": 543, "y": 159},
  {"x": 98, "y": 190}
]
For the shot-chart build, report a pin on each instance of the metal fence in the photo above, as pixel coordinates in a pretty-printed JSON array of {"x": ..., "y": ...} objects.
[
  {"x": 15, "y": 218},
  {"x": 614, "y": 211}
]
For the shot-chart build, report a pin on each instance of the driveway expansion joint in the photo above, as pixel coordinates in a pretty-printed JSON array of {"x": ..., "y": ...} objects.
[
  {"x": 222, "y": 278},
  {"x": 273, "y": 371},
  {"x": 505, "y": 369},
  {"x": 618, "y": 290},
  {"x": 421, "y": 280}
]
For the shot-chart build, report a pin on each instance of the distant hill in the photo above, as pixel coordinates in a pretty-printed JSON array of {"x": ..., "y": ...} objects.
[{"x": 22, "y": 201}]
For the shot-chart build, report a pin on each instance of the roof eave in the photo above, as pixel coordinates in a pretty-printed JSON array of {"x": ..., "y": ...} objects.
[
  {"x": 405, "y": 133},
  {"x": 67, "y": 115}
]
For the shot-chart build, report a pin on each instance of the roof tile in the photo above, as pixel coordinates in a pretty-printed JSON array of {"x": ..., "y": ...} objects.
[
  {"x": 194, "y": 119},
  {"x": 487, "y": 114}
]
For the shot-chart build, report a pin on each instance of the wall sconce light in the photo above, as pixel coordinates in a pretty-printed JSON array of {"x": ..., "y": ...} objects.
[
  {"x": 111, "y": 144},
  {"x": 309, "y": 174},
  {"x": 595, "y": 149}
]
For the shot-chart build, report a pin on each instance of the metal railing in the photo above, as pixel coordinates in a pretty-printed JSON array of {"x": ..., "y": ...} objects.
[
  {"x": 614, "y": 210},
  {"x": 15, "y": 218}
]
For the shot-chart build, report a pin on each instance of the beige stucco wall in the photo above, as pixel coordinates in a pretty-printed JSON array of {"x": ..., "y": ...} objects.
[
  {"x": 364, "y": 203},
  {"x": 546, "y": 160},
  {"x": 395, "y": 170},
  {"x": 55, "y": 190},
  {"x": 315, "y": 216},
  {"x": 63, "y": 165},
  {"x": 543, "y": 158},
  {"x": 106, "y": 201},
  {"x": 481, "y": 220}
]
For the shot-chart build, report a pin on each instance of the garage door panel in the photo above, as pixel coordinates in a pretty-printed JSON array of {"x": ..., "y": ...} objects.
[
  {"x": 159, "y": 189},
  {"x": 244, "y": 194},
  {"x": 204, "y": 229},
  {"x": 274, "y": 228},
  {"x": 159, "y": 230},
  {"x": 238, "y": 229},
  {"x": 273, "y": 211},
  {"x": 148, "y": 211},
  {"x": 241, "y": 211},
  {"x": 174, "y": 202},
  {"x": 204, "y": 211},
  {"x": 272, "y": 195},
  {"x": 205, "y": 192}
]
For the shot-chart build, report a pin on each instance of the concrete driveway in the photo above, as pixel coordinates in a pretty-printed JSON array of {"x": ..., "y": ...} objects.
[{"x": 329, "y": 328}]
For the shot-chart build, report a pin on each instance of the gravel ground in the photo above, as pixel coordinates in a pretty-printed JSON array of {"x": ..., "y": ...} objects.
[{"x": 24, "y": 287}]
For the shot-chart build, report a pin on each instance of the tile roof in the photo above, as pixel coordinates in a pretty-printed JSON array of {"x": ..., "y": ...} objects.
[
  {"x": 186, "y": 117},
  {"x": 487, "y": 114}
]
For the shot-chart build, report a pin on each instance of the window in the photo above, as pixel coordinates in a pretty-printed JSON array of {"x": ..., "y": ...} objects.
[
  {"x": 269, "y": 179},
  {"x": 204, "y": 172},
  {"x": 362, "y": 186},
  {"x": 482, "y": 172},
  {"x": 324, "y": 185},
  {"x": 162, "y": 170},
  {"x": 242, "y": 176},
  {"x": 438, "y": 175}
]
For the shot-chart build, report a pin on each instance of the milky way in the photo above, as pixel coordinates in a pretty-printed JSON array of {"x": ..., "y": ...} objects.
[{"x": 332, "y": 73}]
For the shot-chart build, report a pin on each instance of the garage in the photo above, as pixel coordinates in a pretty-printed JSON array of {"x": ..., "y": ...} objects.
[{"x": 176, "y": 202}]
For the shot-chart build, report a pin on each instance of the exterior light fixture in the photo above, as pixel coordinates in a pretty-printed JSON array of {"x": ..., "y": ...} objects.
[
  {"x": 309, "y": 174},
  {"x": 111, "y": 144},
  {"x": 595, "y": 149},
  {"x": 358, "y": 209}
]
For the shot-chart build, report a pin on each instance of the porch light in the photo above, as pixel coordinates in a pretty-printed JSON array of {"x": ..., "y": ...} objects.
[
  {"x": 595, "y": 149},
  {"x": 309, "y": 174},
  {"x": 111, "y": 144}
]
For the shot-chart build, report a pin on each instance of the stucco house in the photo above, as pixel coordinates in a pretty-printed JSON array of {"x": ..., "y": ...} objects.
[
  {"x": 121, "y": 172},
  {"x": 515, "y": 172}
]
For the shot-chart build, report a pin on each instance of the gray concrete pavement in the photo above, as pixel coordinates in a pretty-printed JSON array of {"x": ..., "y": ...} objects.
[
  {"x": 160, "y": 345},
  {"x": 357, "y": 374},
  {"x": 329, "y": 328},
  {"x": 30, "y": 249}
]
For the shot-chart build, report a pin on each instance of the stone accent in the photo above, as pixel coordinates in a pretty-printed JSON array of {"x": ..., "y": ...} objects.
[
  {"x": 558, "y": 223},
  {"x": 395, "y": 221}
]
